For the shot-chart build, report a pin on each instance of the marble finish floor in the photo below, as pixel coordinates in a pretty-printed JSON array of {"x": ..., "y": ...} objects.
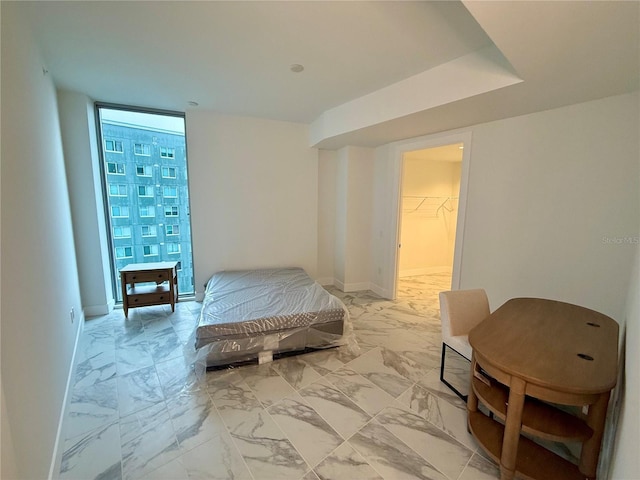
[{"x": 139, "y": 411}]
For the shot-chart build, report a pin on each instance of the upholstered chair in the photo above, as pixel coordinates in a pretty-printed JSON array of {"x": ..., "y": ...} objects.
[{"x": 460, "y": 311}]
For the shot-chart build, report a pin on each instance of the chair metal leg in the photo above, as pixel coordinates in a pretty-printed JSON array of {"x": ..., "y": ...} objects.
[{"x": 442, "y": 379}]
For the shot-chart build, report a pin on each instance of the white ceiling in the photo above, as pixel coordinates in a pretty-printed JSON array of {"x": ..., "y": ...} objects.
[{"x": 234, "y": 57}]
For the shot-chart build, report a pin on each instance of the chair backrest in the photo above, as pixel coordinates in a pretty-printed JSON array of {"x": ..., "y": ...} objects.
[{"x": 461, "y": 310}]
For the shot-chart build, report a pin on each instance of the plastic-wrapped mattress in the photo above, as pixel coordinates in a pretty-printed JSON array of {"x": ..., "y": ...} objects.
[{"x": 253, "y": 314}]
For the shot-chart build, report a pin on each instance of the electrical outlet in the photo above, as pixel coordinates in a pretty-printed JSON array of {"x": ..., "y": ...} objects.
[{"x": 72, "y": 314}]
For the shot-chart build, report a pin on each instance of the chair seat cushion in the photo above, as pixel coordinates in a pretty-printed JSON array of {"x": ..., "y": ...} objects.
[{"x": 460, "y": 343}]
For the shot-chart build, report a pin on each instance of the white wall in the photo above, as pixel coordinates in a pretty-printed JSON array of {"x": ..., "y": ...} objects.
[
  {"x": 546, "y": 191},
  {"x": 354, "y": 195},
  {"x": 254, "y": 194},
  {"x": 79, "y": 139},
  {"x": 39, "y": 272},
  {"x": 626, "y": 463},
  {"x": 327, "y": 177}
]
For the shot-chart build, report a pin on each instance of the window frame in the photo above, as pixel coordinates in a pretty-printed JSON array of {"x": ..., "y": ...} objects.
[
  {"x": 147, "y": 208},
  {"x": 145, "y": 148},
  {"x": 128, "y": 215},
  {"x": 124, "y": 168}
]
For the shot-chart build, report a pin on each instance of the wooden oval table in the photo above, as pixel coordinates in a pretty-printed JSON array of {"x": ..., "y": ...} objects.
[{"x": 545, "y": 370}]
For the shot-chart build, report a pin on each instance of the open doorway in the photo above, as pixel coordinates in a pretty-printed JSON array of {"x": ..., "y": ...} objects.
[{"x": 429, "y": 199}]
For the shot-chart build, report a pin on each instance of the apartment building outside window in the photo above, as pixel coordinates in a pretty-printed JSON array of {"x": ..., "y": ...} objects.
[{"x": 146, "y": 189}]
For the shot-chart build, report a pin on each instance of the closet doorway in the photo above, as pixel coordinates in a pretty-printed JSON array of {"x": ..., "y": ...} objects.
[{"x": 429, "y": 199}]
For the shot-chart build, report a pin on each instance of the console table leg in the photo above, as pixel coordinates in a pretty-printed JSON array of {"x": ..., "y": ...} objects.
[
  {"x": 591, "y": 448},
  {"x": 512, "y": 429}
]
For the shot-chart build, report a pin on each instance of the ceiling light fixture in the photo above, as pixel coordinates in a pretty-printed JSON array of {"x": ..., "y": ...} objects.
[
  {"x": 296, "y": 68},
  {"x": 192, "y": 103}
]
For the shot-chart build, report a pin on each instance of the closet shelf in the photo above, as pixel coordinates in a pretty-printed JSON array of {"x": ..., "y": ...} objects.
[{"x": 430, "y": 206}]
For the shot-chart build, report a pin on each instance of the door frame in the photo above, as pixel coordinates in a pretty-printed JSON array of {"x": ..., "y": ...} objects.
[{"x": 396, "y": 212}]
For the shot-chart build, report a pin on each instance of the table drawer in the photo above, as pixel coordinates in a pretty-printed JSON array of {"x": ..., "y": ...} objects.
[
  {"x": 146, "y": 299},
  {"x": 157, "y": 276}
]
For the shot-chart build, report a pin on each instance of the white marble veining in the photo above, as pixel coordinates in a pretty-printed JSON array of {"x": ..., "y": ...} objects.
[{"x": 139, "y": 410}]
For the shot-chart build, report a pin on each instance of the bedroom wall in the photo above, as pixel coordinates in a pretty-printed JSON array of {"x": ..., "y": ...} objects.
[
  {"x": 79, "y": 140},
  {"x": 39, "y": 271},
  {"x": 549, "y": 195},
  {"x": 625, "y": 462},
  {"x": 354, "y": 195},
  {"x": 327, "y": 178},
  {"x": 254, "y": 194}
]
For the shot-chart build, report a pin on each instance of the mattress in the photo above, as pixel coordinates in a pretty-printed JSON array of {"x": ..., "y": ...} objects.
[{"x": 253, "y": 314}]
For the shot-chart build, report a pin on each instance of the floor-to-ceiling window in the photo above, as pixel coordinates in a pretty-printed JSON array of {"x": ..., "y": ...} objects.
[{"x": 146, "y": 189}]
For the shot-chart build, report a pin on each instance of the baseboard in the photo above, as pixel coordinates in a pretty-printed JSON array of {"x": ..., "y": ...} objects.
[
  {"x": 56, "y": 460},
  {"x": 96, "y": 310},
  {"x": 356, "y": 287},
  {"x": 327, "y": 281},
  {"x": 412, "y": 272},
  {"x": 381, "y": 292}
]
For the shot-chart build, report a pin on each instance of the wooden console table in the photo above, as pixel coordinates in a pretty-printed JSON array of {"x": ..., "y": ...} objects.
[
  {"x": 165, "y": 291},
  {"x": 529, "y": 357}
]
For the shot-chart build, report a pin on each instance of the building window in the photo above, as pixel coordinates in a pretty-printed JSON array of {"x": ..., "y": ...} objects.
[
  {"x": 113, "y": 146},
  {"x": 147, "y": 211},
  {"x": 117, "y": 190},
  {"x": 122, "y": 232},
  {"x": 166, "y": 152},
  {"x": 149, "y": 231},
  {"x": 145, "y": 191},
  {"x": 144, "y": 170},
  {"x": 142, "y": 149},
  {"x": 145, "y": 159},
  {"x": 114, "y": 168},
  {"x": 171, "y": 211},
  {"x": 173, "y": 248},
  {"x": 150, "y": 250},
  {"x": 168, "y": 172},
  {"x": 170, "y": 192},
  {"x": 119, "y": 211},
  {"x": 124, "y": 252},
  {"x": 172, "y": 229}
]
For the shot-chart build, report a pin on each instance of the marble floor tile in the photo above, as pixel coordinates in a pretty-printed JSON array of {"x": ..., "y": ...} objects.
[
  {"x": 178, "y": 376},
  {"x": 296, "y": 371},
  {"x": 174, "y": 470},
  {"x": 91, "y": 407},
  {"x": 436, "y": 447},
  {"x": 447, "y": 417},
  {"x": 216, "y": 459},
  {"x": 164, "y": 344},
  {"x": 96, "y": 367},
  {"x": 138, "y": 390},
  {"x": 96, "y": 341},
  {"x": 330, "y": 360},
  {"x": 335, "y": 407},
  {"x": 195, "y": 419},
  {"x": 309, "y": 433},
  {"x": 369, "y": 397},
  {"x": 148, "y": 441},
  {"x": 266, "y": 449},
  {"x": 431, "y": 382},
  {"x": 390, "y": 457},
  {"x": 140, "y": 410},
  {"x": 344, "y": 462},
  {"x": 480, "y": 468},
  {"x": 384, "y": 368},
  {"x": 266, "y": 383},
  {"x": 94, "y": 455}
]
